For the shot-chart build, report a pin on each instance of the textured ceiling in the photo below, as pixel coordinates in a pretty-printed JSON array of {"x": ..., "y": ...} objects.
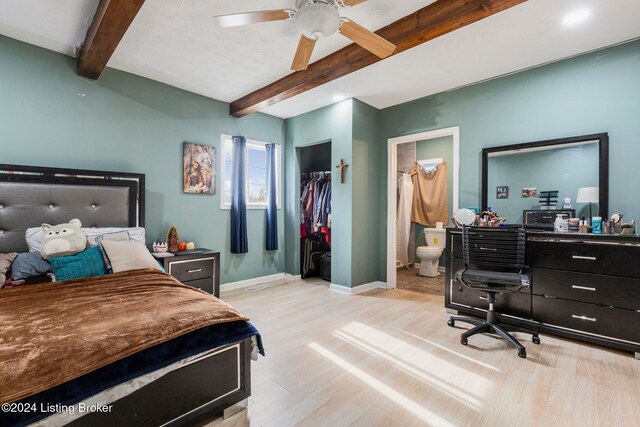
[{"x": 174, "y": 41}]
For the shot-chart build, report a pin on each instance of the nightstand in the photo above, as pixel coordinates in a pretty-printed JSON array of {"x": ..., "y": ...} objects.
[{"x": 199, "y": 268}]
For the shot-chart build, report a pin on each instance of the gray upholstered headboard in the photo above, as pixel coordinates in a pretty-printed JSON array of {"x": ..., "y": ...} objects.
[{"x": 31, "y": 196}]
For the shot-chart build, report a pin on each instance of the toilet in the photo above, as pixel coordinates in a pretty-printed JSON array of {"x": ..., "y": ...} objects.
[{"x": 430, "y": 255}]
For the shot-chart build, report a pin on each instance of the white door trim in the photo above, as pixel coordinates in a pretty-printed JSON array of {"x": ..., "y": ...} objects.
[{"x": 392, "y": 166}]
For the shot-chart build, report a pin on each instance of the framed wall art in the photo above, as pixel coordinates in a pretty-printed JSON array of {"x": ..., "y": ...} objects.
[
  {"x": 502, "y": 192},
  {"x": 199, "y": 163},
  {"x": 529, "y": 192}
]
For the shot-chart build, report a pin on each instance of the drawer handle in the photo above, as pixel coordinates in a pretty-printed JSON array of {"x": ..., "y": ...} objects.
[
  {"x": 584, "y": 288},
  {"x": 588, "y": 258},
  {"x": 197, "y": 270},
  {"x": 590, "y": 319}
]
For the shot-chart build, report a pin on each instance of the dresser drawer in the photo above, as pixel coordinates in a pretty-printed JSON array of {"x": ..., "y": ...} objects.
[
  {"x": 601, "y": 258},
  {"x": 590, "y": 318},
  {"x": 513, "y": 303},
  {"x": 192, "y": 269},
  {"x": 622, "y": 292}
]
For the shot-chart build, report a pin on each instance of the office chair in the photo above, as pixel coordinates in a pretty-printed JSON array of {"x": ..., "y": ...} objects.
[{"x": 493, "y": 263}]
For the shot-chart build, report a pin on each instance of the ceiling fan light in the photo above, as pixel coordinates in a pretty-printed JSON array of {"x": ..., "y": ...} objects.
[{"x": 318, "y": 20}]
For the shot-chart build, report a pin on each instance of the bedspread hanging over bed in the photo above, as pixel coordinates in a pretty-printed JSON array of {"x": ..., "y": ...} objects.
[{"x": 52, "y": 333}]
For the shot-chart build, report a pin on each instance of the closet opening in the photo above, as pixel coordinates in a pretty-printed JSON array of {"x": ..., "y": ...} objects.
[{"x": 315, "y": 210}]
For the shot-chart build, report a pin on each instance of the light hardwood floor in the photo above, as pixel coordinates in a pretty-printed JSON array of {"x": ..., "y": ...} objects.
[{"x": 388, "y": 358}]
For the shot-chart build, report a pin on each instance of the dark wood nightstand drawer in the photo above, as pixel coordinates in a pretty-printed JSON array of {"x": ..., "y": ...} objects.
[
  {"x": 594, "y": 319},
  {"x": 206, "y": 285},
  {"x": 192, "y": 269},
  {"x": 617, "y": 260},
  {"x": 612, "y": 291}
]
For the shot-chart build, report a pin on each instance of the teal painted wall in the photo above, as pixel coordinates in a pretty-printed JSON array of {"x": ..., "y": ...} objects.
[
  {"x": 565, "y": 170},
  {"x": 51, "y": 117},
  {"x": 433, "y": 149},
  {"x": 367, "y": 197},
  {"x": 352, "y": 128},
  {"x": 332, "y": 123},
  {"x": 597, "y": 92}
]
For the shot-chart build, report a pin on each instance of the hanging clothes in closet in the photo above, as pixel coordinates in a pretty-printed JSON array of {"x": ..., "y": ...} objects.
[
  {"x": 403, "y": 223},
  {"x": 315, "y": 205},
  {"x": 429, "y": 195}
]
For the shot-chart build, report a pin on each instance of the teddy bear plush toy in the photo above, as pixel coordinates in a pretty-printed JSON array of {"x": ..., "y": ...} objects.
[{"x": 63, "y": 239}]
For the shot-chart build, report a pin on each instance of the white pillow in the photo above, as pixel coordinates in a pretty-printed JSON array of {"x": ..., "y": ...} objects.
[
  {"x": 128, "y": 255},
  {"x": 121, "y": 236},
  {"x": 35, "y": 235}
]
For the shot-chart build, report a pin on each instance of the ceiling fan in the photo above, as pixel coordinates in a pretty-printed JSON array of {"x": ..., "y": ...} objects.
[{"x": 316, "y": 19}]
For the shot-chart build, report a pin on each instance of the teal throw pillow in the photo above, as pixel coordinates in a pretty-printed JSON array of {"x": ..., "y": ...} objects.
[{"x": 85, "y": 264}]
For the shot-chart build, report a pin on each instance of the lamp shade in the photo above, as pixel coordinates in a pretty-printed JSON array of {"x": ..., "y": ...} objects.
[{"x": 588, "y": 195}]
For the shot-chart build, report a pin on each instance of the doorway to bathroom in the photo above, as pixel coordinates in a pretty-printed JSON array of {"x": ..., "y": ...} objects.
[{"x": 423, "y": 193}]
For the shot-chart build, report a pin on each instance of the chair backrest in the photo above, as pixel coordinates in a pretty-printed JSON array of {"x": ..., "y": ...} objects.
[
  {"x": 501, "y": 247},
  {"x": 493, "y": 259}
]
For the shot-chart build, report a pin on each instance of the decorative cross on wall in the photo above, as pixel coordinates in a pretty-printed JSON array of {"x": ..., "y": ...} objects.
[{"x": 342, "y": 166}]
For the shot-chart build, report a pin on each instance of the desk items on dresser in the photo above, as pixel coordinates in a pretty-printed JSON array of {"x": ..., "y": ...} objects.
[{"x": 585, "y": 287}]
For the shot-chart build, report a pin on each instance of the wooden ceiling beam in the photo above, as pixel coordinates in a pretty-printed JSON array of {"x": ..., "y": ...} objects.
[
  {"x": 434, "y": 20},
  {"x": 110, "y": 22}
]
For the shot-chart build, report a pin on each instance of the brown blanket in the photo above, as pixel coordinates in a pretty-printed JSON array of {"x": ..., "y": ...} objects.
[{"x": 55, "y": 332}]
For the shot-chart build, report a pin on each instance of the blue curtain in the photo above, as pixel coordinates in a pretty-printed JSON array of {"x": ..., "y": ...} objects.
[
  {"x": 239, "y": 241},
  {"x": 272, "y": 202}
]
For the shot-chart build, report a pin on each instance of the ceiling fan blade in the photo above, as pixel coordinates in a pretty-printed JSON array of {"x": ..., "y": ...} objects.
[
  {"x": 350, "y": 3},
  {"x": 303, "y": 53},
  {"x": 247, "y": 18},
  {"x": 365, "y": 38}
]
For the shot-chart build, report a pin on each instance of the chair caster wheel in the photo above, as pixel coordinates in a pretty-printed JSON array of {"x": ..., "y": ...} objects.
[
  {"x": 451, "y": 323},
  {"x": 522, "y": 353},
  {"x": 463, "y": 341},
  {"x": 535, "y": 339}
]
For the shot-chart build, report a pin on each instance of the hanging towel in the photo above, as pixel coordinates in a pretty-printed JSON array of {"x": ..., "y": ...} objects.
[
  {"x": 429, "y": 195},
  {"x": 405, "y": 200}
]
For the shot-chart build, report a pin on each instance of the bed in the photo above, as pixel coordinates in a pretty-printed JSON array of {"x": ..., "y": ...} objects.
[{"x": 135, "y": 348}]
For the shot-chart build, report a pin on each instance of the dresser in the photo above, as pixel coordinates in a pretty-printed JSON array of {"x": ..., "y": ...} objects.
[
  {"x": 585, "y": 287},
  {"x": 199, "y": 268}
]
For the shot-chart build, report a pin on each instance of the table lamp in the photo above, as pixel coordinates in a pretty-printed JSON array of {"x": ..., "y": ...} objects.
[{"x": 588, "y": 195}]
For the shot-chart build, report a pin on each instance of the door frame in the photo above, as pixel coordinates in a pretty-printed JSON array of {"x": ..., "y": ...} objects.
[{"x": 392, "y": 166}]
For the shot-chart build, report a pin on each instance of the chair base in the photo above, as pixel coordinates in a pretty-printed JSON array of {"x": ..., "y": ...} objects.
[{"x": 502, "y": 330}]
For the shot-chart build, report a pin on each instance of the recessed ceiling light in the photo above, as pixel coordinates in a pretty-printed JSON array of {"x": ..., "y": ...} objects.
[
  {"x": 576, "y": 17},
  {"x": 339, "y": 97}
]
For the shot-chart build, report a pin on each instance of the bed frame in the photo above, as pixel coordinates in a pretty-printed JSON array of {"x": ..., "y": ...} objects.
[{"x": 194, "y": 393}]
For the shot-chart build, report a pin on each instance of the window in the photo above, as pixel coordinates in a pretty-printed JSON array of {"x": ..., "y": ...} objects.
[{"x": 255, "y": 173}]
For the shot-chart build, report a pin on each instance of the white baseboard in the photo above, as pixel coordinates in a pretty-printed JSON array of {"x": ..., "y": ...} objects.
[
  {"x": 251, "y": 282},
  {"x": 292, "y": 277},
  {"x": 357, "y": 289}
]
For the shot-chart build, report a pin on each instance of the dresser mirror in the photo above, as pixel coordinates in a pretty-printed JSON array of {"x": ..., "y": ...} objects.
[{"x": 514, "y": 176}]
